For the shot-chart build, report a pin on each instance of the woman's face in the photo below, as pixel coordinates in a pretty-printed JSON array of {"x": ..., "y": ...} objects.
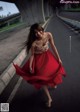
[{"x": 39, "y": 33}]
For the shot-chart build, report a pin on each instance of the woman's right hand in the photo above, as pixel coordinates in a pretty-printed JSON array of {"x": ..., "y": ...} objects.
[{"x": 31, "y": 71}]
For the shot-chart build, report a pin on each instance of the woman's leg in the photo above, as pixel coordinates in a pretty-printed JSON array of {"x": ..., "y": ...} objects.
[{"x": 48, "y": 95}]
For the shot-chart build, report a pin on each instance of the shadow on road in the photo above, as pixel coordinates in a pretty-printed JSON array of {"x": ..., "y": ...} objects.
[{"x": 35, "y": 102}]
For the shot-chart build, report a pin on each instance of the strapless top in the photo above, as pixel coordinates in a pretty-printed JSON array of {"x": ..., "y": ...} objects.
[{"x": 41, "y": 48}]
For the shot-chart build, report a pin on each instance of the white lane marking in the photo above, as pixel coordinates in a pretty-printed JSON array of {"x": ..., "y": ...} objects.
[
  {"x": 76, "y": 32},
  {"x": 48, "y": 23},
  {"x": 14, "y": 90},
  {"x": 70, "y": 43},
  {"x": 72, "y": 29}
]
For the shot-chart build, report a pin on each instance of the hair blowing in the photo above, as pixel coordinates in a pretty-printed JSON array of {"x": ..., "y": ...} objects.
[{"x": 31, "y": 36}]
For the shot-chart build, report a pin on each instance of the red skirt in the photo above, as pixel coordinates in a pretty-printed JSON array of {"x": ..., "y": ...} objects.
[{"x": 46, "y": 70}]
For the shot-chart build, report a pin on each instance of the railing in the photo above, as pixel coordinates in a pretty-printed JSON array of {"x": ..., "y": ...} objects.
[
  {"x": 73, "y": 23},
  {"x": 10, "y": 20}
]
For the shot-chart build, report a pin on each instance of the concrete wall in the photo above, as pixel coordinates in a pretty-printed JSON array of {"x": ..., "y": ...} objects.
[
  {"x": 33, "y": 10},
  {"x": 46, "y": 9}
]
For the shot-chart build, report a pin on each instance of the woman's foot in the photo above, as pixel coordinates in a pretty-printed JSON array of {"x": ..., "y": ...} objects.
[
  {"x": 48, "y": 104},
  {"x": 55, "y": 87}
]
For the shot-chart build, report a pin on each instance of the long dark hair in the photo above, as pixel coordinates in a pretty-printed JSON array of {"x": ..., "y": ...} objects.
[{"x": 31, "y": 36}]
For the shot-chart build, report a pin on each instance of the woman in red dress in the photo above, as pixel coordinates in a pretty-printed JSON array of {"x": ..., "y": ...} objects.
[{"x": 43, "y": 68}]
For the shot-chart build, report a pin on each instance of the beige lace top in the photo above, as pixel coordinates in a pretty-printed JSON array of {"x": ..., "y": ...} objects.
[{"x": 41, "y": 46}]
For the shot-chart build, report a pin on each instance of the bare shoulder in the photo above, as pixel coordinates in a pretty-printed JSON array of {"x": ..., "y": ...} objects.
[
  {"x": 33, "y": 44},
  {"x": 49, "y": 34}
]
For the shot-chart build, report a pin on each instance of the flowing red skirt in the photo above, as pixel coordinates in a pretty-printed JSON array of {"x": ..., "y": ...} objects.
[{"x": 46, "y": 70}]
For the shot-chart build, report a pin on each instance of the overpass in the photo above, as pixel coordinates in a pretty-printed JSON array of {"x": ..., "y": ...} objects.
[{"x": 33, "y": 10}]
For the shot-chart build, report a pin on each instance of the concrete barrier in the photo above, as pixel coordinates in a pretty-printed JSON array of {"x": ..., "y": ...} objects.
[
  {"x": 72, "y": 22},
  {"x": 34, "y": 10}
]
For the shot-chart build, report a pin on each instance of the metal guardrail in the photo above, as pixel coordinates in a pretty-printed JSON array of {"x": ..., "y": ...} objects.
[
  {"x": 10, "y": 17},
  {"x": 9, "y": 20},
  {"x": 70, "y": 21}
]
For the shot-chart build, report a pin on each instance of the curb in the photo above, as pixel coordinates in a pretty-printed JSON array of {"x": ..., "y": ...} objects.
[
  {"x": 8, "y": 74},
  {"x": 70, "y": 21}
]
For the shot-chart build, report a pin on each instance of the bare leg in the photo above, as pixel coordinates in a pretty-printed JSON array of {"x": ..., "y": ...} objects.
[{"x": 48, "y": 95}]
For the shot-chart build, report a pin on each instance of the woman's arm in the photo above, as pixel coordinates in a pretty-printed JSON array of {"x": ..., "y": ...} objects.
[
  {"x": 54, "y": 47},
  {"x": 31, "y": 58}
]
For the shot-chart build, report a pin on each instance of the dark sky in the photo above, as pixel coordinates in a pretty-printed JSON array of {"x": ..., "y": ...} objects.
[{"x": 56, "y": 3}]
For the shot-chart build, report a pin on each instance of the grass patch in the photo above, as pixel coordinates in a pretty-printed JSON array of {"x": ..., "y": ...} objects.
[
  {"x": 10, "y": 27},
  {"x": 73, "y": 9}
]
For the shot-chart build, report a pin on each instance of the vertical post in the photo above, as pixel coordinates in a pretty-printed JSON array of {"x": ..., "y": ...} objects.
[
  {"x": 8, "y": 23},
  {"x": 21, "y": 19},
  {"x": 43, "y": 11}
]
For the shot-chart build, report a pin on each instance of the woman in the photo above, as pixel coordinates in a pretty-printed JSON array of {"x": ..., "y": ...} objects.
[{"x": 42, "y": 69}]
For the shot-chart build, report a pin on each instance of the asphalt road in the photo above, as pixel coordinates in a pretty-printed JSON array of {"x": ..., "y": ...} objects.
[{"x": 66, "y": 97}]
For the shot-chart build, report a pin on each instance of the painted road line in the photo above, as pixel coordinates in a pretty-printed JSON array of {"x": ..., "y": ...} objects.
[
  {"x": 14, "y": 90},
  {"x": 70, "y": 43}
]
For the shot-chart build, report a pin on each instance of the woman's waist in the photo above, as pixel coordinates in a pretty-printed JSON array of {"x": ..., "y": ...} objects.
[{"x": 41, "y": 51}]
